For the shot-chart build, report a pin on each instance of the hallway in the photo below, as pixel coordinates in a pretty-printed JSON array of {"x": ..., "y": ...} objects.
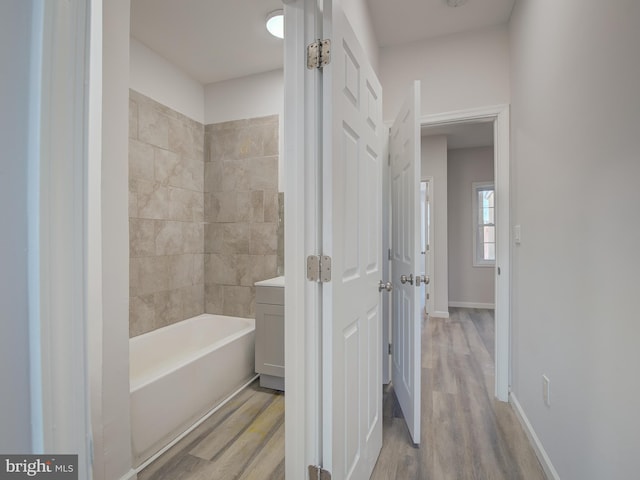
[{"x": 465, "y": 432}]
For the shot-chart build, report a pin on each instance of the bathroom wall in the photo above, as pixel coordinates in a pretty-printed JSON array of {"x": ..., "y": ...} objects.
[
  {"x": 241, "y": 205},
  {"x": 166, "y": 215}
]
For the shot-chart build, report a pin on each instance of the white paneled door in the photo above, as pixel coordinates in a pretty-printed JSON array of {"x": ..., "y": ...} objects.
[
  {"x": 352, "y": 216},
  {"x": 406, "y": 261}
]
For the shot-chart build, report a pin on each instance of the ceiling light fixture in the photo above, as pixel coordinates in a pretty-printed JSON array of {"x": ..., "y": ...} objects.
[
  {"x": 275, "y": 23},
  {"x": 456, "y": 3}
]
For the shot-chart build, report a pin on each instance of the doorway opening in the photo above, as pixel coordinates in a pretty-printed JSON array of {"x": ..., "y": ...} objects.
[{"x": 492, "y": 124}]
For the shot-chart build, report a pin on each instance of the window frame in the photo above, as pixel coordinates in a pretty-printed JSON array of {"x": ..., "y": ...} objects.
[{"x": 477, "y": 187}]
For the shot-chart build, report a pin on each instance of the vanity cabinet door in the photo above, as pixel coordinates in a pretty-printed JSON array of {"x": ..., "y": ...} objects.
[{"x": 270, "y": 339}]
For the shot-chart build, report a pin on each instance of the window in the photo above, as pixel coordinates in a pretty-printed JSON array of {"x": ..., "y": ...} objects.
[{"x": 484, "y": 240}]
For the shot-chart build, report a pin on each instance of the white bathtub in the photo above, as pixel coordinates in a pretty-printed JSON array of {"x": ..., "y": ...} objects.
[{"x": 180, "y": 372}]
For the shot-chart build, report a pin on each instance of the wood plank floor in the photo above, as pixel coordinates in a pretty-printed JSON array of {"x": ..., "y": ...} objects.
[
  {"x": 244, "y": 440},
  {"x": 465, "y": 432}
]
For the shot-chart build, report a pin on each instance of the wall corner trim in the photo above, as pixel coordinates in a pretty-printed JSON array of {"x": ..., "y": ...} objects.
[{"x": 541, "y": 453}]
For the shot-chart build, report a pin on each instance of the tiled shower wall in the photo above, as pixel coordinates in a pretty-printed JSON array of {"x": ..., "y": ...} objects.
[
  {"x": 166, "y": 215},
  {"x": 203, "y": 228},
  {"x": 241, "y": 205}
]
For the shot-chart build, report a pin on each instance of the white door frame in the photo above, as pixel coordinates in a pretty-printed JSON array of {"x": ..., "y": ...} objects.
[
  {"x": 301, "y": 160},
  {"x": 499, "y": 115},
  {"x": 429, "y": 271}
]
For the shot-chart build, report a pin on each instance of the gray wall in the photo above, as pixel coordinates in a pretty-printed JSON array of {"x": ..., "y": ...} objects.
[
  {"x": 467, "y": 284},
  {"x": 575, "y": 136},
  {"x": 15, "y": 44}
]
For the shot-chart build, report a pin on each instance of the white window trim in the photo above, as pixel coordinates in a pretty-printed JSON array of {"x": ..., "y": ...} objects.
[{"x": 475, "y": 186}]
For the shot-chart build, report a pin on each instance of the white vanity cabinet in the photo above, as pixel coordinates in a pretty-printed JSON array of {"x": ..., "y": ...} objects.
[{"x": 270, "y": 332}]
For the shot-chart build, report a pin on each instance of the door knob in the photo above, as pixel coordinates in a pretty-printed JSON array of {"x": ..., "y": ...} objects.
[
  {"x": 404, "y": 279},
  {"x": 385, "y": 286},
  {"x": 421, "y": 278}
]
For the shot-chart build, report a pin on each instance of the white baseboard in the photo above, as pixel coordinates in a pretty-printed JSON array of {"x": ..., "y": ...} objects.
[
  {"x": 438, "y": 314},
  {"x": 544, "y": 459},
  {"x": 130, "y": 475},
  {"x": 488, "y": 306}
]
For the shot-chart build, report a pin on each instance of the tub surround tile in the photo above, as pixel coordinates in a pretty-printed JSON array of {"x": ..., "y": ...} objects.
[
  {"x": 180, "y": 271},
  {"x": 168, "y": 307},
  {"x": 213, "y": 298},
  {"x": 142, "y": 238},
  {"x": 213, "y": 237},
  {"x": 264, "y": 239},
  {"x": 142, "y": 313},
  {"x": 270, "y": 213},
  {"x": 168, "y": 236},
  {"x": 192, "y": 300},
  {"x": 235, "y": 238},
  {"x": 166, "y": 210},
  {"x": 141, "y": 160},
  {"x": 203, "y": 208},
  {"x": 238, "y": 301},
  {"x": 223, "y": 207},
  {"x": 153, "y": 126},
  {"x": 241, "y": 205},
  {"x": 133, "y": 119}
]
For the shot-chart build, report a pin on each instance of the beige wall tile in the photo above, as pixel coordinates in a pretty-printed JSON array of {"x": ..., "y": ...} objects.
[
  {"x": 153, "y": 274},
  {"x": 142, "y": 315},
  {"x": 238, "y": 301},
  {"x": 153, "y": 126},
  {"x": 264, "y": 173},
  {"x": 168, "y": 307},
  {"x": 213, "y": 298},
  {"x": 221, "y": 269},
  {"x": 140, "y": 160},
  {"x": 198, "y": 268},
  {"x": 192, "y": 300},
  {"x": 264, "y": 239},
  {"x": 133, "y": 119},
  {"x": 213, "y": 176},
  {"x": 141, "y": 237},
  {"x": 180, "y": 271},
  {"x": 169, "y": 239},
  {"x": 235, "y": 238},
  {"x": 270, "y": 206},
  {"x": 223, "y": 207},
  {"x": 193, "y": 237},
  {"x": 213, "y": 237}
]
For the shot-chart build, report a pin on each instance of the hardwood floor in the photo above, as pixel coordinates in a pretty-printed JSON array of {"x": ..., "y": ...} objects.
[
  {"x": 244, "y": 440},
  {"x": 465, "y": 432}
]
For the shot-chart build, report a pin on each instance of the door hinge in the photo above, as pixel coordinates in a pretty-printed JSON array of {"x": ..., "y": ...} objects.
[
  {"x": 318, "y": 54},
  {"x": 389, "y": 254},
  {"x": 316, "y": 472},
  {"x": 389, "y": 160},
  {"x": 428, "y": 297},
  {"x": 390, "y": 349},
  {"x": 319, "y": 268}
]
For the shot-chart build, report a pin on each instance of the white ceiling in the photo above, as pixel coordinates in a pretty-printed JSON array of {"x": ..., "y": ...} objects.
[
  {"x": 402, "y": 21},
  {"x": 214, "y": 40},
  {"x": 463, "y": 135},
  {"x": 210, "y": 40}
]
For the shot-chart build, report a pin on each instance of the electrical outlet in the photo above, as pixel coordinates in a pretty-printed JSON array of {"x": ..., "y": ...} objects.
[{"x": 545, "y": 391}]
